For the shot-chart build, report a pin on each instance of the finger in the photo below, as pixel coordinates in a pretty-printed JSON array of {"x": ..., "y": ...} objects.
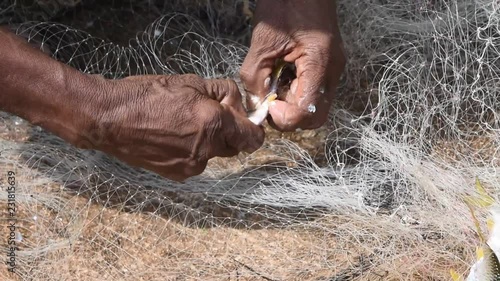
[
  {"x": 241, "y": 134},
  {"x": 316, "y": 90},
  {"x": 226, "y": 92},
  {"x": 255, "y": 73},
  {"x": 176, "y": 169},
  {"x": 167, "y": 169},
  {"x": 311, "y": 81},
  {"x": 286, "y": 117},
  {"x": 227, "y": 151},
  {"x": 309, "y": 98}
]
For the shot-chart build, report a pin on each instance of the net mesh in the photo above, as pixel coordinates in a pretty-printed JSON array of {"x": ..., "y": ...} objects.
[{"x": 415, "y": 122}]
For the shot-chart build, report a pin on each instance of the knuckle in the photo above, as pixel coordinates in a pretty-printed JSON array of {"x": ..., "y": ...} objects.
[
  {"x": 193, "y": 80},
  {"x": 196, "y": 167},
  {"x": 253, "y": 141},
  {"x": 322, "y": 57},
  {"x": 323, "y": 44},
  {"x": 222, "y": 88}
]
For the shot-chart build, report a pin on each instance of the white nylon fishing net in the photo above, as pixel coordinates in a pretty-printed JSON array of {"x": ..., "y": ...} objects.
[{"x": 417, "y": 120}]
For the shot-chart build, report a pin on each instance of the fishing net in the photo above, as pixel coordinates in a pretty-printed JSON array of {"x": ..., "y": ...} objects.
[{"x": 376, "y": 194}]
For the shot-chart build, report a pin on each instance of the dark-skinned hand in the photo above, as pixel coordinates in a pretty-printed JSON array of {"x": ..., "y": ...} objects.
[
  {"x": 304, "y": 33},
  {"x": 172, "y": 124}
]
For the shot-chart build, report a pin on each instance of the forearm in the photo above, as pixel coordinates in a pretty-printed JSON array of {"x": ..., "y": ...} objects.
[{"x": 44, "y": 91}]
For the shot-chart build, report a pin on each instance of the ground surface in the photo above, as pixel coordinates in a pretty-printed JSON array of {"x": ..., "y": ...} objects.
[{"x": 109, "y": 231}]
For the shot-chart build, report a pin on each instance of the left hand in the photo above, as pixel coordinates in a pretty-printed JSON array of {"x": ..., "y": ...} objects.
[
  {"x": 168, "y": 124},
  {"x": 306, "y": 33}
]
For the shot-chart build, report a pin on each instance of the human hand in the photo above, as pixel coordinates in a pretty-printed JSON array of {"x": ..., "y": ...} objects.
[
  {"x": 305, "y": 33},
  {"x": 171, "y": 125}
]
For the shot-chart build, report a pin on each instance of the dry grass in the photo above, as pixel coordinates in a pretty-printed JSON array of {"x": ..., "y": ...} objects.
[
  {"x": 82, "y": 240},
  {"x": 374, "y": 195},
  {"x": 67, "y": 237}
]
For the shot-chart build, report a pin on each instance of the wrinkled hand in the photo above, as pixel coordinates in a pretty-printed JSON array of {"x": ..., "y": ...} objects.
[
  {"x": 306, "y": 33},
  {"x": 171, "y": 125}
]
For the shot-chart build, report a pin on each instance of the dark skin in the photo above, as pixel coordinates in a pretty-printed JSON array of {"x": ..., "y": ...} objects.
[
  {"x": 173, "y": 125},
  {"x": 305, "y": 33}
]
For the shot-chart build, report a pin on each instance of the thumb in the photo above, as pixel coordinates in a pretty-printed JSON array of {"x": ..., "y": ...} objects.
[
  {"x": 226, "y": 92},
  {"x": 241, "y": 134}
]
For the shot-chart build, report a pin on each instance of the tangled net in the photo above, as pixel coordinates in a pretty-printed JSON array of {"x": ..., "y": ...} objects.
[{"x": 417, "y": 120}]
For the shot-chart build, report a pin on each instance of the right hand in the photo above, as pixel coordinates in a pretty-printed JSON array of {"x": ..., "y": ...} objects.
[
  {"x": 305, "y": 33},
  {"x": 171, "y": 125}
]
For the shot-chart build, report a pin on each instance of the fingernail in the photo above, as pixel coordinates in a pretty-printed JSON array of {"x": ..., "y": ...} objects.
[
  {"x": 293, "y": 87},
  {"x": 267, "y": 82},
  {"x": 273, "y": 103}
]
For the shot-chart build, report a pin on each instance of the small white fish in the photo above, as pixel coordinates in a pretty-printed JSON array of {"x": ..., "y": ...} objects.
[
  {"x": 262, "y": 108},
  {"x": 487, "y": 266},
  {"x": 259, "y": 115}
]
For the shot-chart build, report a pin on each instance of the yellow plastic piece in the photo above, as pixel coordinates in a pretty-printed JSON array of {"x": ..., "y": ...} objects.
[
  {"x": 455, "y": 276},
  {"x": 272, "y": 97}
]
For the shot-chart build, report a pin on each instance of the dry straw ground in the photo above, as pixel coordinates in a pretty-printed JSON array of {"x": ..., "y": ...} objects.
[{"x": 376, "y": 194}]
